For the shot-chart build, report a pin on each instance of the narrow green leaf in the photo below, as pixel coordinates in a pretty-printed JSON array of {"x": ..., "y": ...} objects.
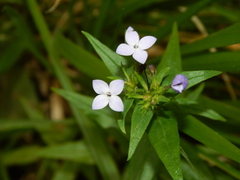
[
  {"x": 74, "y": 151},
  {"x": 139, "y": 124},
  {"x": 163, "y": 135},
  {"x": 171, "y": 57},
  {"x": 180, "y": 19},
  {"x": 183, "y": 153},
  {"x": 223, "y": 166},
  {"x": 221, "y": 61},
  {"x": 192, "y": 107},
  {"x": 144, "y": 162},
  {"x": 194, "y": 77},
  {"x": 224, "y": 37},
  {"x": 80, "y": 58},
  {"x": 228, "y": 111},
  {"x": 112, "y": 60},
  {"x": 141, "y": 81},
  {"x": 199, "y": 131},
  {"x": 127, "y": 105},
  {"x": 198, "y": 164}
]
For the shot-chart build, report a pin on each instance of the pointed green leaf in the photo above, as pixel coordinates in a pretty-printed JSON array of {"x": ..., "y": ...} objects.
[
  {"x": 144, "y": 162},
  {"x": 80, "y": 58},
  {"x": 112, "y": 60},
  {"x": 139, "y": 124},
  {"x": 222, "y": 165},
  {"x": 221, "y": 61},
  {"x": 163, "y": 135},
  {"x": 172, "y": 57},
  {"x": 192, "y": 107},
  {"x": 200, "y": 167},
  {"x": 199, "y": 131},
  {"x": 141, "y": 81},
  {"x": 224, "y": 37},
  {"x": 228, "y": 111}
]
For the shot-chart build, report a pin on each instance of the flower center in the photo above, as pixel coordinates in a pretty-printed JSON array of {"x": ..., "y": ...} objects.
[
  {"x": 136, "y": 46},
  {"x": 108, "y": 94}
]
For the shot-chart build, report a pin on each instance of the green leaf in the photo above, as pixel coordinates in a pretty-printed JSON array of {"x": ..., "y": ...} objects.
[
  {"x": 141, "y": 81},
  {"x": 194, "y": 77},
  {"x": 222, "y": 61},
  {"x": 112, "y": 60},
  {"x": 80, "y": 58},
  {"x": 223, "y": 166},
  {"x": 74, "y": 151},
  {"x": 139, "y": 124},
  {"x": 202, "y": 133},
  {"x": 228, "y": 111},
  {"x": 192, "y": 107},
  {"x": 224, "y": 37},
  {"x": 163, "y": 135},
  {"x": 171, "y": 57},
  {"x": 144, "y": 162},
  {"x": 201, "y": 169},
  {"x": 180, "y": 19},
  {"x": 127, "y": 105}
]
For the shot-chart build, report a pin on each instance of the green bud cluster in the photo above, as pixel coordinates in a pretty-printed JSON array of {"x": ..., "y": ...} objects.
[{"x": 148, "y": 90}]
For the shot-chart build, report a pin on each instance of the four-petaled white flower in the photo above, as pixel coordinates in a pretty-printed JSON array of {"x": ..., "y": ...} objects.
[
  {"x": 135, "y": 46},
  {"x": 108, "y": 95}
]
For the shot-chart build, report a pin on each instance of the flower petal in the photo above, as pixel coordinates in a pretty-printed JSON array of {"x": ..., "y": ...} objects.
[
  {"x": 140, "y": 56},
  {"x": 99, "y": 86},
  {"x": 124, "y": 49},
  {"x": 146, "y": 42},
  {"x": 116, "y": 104},
  {"x": 116, "y": 86},
  {"x": 179, "y": 83},
  {"x": 99, "y": 102},
  {"x": 131, "y": 37},
  {"x": 178, "y": 88}
]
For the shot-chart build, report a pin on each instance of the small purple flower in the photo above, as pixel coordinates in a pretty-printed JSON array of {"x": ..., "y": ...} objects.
[{"x": 179, "y": 83}]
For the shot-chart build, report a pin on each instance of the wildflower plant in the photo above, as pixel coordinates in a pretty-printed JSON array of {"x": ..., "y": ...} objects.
[
  {"x": 153, "y": 96},
  {"x": 132, "y": 117}
]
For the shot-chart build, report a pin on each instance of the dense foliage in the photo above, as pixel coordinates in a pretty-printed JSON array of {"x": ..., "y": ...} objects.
[{"x": 53, "y": 52}]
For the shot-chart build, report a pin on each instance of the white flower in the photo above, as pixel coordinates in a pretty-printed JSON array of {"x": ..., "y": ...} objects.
[
  {"x": 108, "y": 95},
  {"x": 135, "y": 46}
]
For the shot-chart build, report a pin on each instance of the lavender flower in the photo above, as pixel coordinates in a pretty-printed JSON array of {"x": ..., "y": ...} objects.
[{"x": 179, "y": 83}]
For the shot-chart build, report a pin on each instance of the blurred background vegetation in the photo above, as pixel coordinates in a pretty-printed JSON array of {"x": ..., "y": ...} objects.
[{"x": 42, "y": 136}]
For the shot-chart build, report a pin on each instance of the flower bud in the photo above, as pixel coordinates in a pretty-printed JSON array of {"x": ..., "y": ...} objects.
[
  {"x": 152, "y": 69},
  {"x": 179, "y": 83}
]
